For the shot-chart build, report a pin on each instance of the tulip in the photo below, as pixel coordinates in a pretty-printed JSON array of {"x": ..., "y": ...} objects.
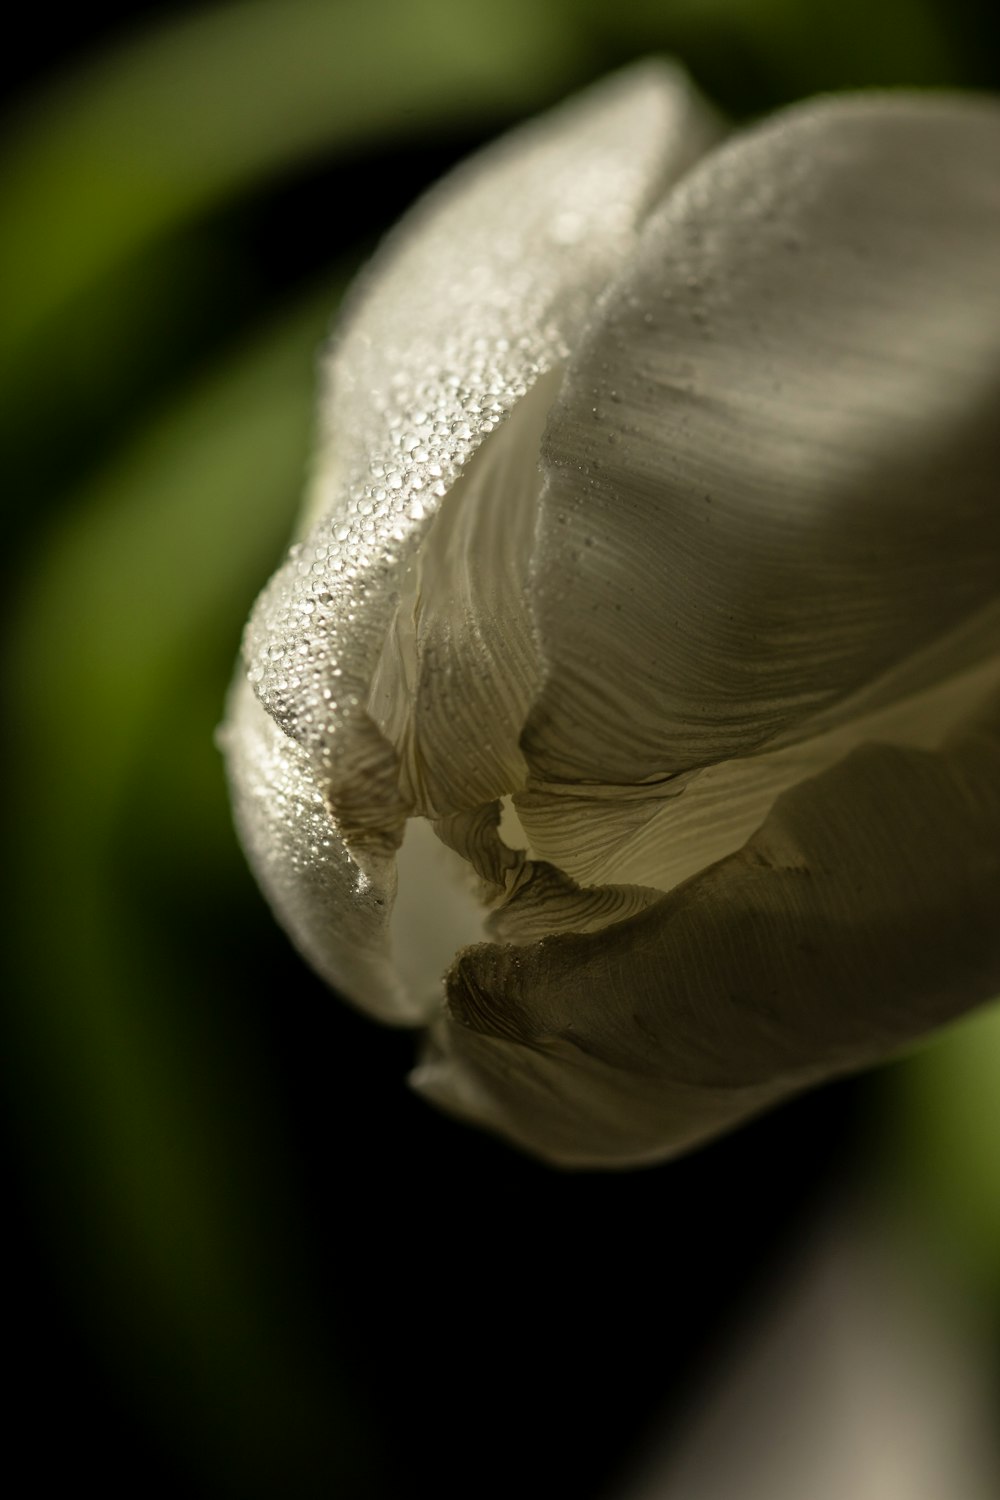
[{"x": 627, "y": 711}]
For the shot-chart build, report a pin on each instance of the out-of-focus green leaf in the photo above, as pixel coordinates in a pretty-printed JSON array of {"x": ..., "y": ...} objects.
[
  {"x": 754, "y": 56},
  {"x": 944, "y": 1141},
  {"x": 188, "y": 114},
  {"x": 153, "y": 1156}
]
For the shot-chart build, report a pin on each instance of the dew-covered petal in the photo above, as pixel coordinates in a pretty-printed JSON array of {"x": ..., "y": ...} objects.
[
  {"x": 864, "y": 912},
  {"x": 303, "y": 866},
  {"x": 773, "y": 471},
  {"x": 460, "y": 668},
  {"x": 475, "y": 297}
]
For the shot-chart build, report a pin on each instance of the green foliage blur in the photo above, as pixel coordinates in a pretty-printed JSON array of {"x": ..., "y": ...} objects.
[{"x": 241, "y": 1246}]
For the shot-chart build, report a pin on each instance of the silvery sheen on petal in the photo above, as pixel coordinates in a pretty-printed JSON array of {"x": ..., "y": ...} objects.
[{"x": 637, "y": 664}]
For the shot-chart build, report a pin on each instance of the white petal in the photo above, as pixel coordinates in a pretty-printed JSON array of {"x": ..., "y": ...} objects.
[
  {"x": 473, "y": 299},
  {"x": 864, "y": 912},
  {"x": 776, "y": 456}
]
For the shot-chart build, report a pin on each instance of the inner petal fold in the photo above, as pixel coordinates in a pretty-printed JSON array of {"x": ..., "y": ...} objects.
[{"x": 662, "y": 840}]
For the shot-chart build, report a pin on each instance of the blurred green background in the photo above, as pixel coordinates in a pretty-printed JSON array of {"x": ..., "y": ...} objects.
[{"x": 239, "y": 1247}]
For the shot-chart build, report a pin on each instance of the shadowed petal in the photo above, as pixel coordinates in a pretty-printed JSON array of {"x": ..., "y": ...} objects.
[{"x": 864, "y": 911}]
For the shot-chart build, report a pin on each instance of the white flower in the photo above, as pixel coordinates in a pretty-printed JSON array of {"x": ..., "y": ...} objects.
[{"x": 648, "y": 587}]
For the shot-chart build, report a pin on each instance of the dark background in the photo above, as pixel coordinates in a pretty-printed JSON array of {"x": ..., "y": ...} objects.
[{"x": 244, "y": 1260}]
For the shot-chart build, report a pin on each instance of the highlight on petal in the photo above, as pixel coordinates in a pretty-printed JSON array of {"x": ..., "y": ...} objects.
[
  {"x": 661, "y": 835},
  {"x": 470, "y": 307},
  {"x": 862, "y": 913}
]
